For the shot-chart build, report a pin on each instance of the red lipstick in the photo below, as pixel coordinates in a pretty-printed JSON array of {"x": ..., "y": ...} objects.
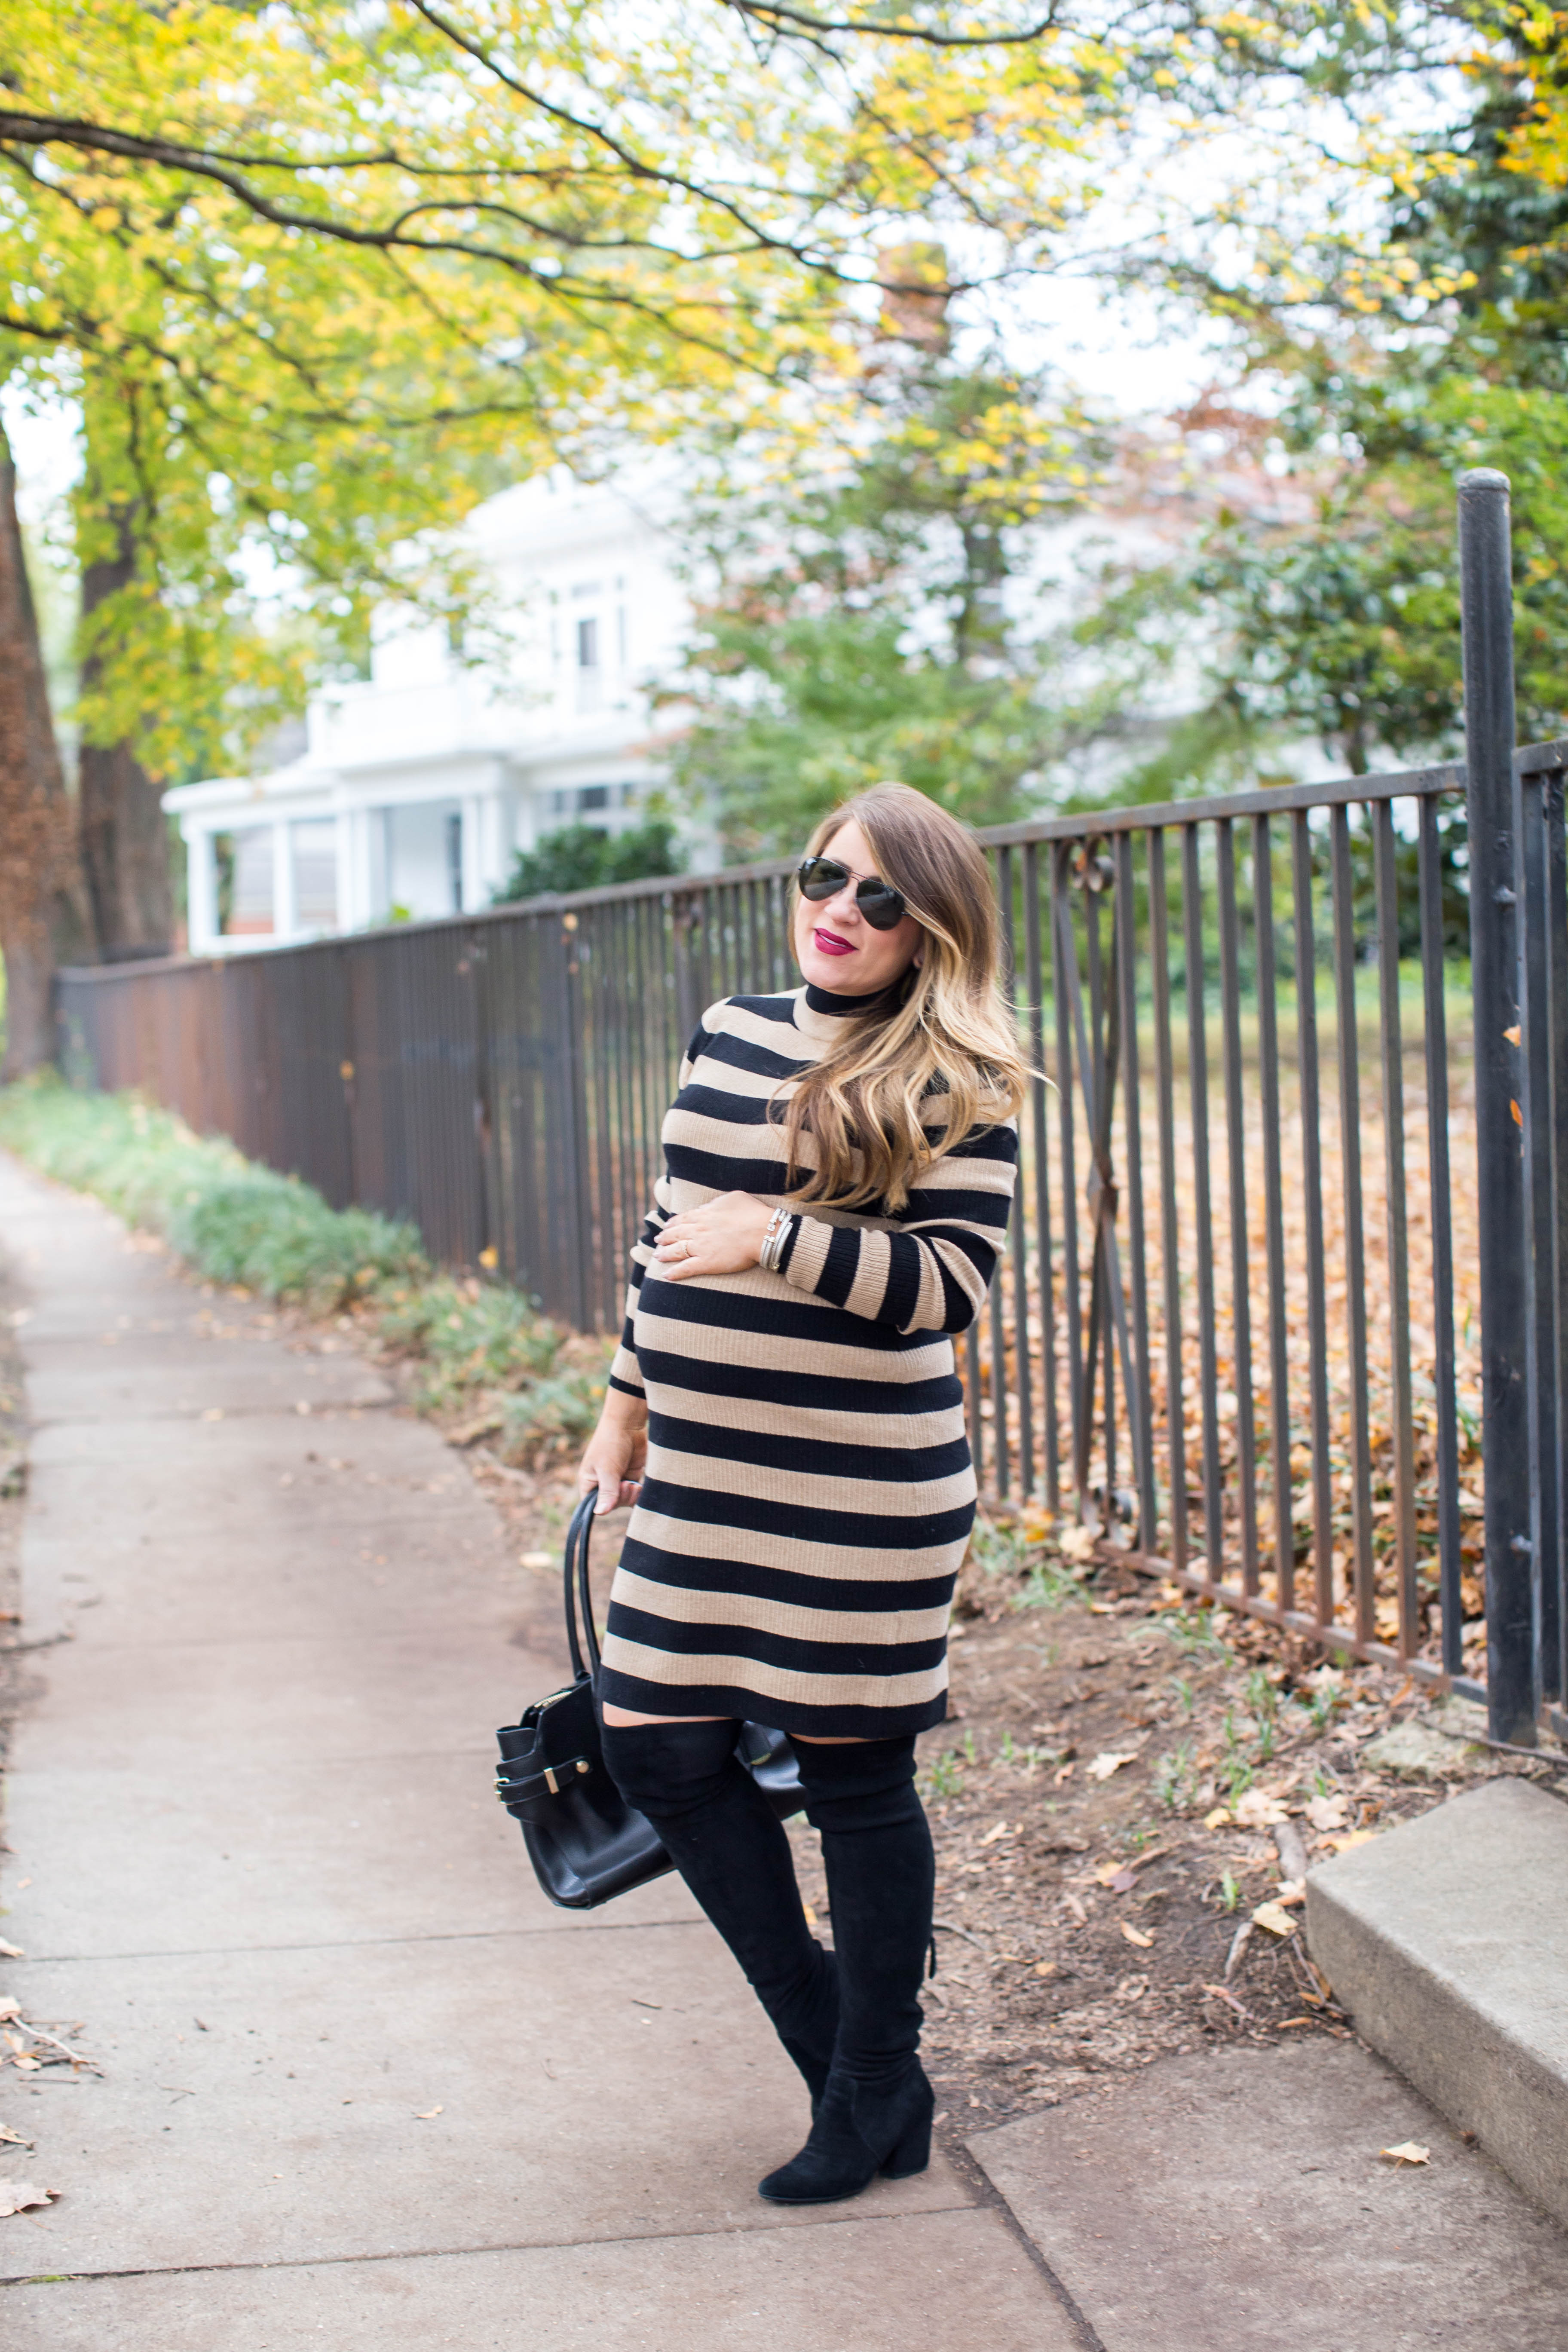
[{"x": 829, "y": 943}]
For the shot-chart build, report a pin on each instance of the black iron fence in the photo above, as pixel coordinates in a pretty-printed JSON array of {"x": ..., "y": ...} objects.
[{"x": 1292, "y": 1212}]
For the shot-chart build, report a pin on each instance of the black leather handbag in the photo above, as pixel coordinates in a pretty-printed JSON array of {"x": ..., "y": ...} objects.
[{"x": 585, "y": 1842}]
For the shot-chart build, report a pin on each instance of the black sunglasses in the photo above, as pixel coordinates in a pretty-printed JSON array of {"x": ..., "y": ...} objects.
[{"x": 824, "y": 877}]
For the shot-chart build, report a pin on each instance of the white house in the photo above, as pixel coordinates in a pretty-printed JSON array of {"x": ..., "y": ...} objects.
[{"x": 415, "y": 786}]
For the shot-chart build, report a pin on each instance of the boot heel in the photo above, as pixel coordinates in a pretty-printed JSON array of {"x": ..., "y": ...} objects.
[{"x": 912, "y": 2153}]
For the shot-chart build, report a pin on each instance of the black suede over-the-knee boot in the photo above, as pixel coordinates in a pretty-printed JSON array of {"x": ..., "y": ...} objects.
[
  {"x": 732, "y": 1850},
  {"x": 876, "y": 2113}
]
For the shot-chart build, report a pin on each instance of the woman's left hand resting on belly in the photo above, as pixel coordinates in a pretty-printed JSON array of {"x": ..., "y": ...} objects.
[{"x": 722, "y": 1237}]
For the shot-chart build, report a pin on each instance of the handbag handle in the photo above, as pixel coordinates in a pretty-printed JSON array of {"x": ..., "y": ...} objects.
[{"x": 578, "y": 1593}]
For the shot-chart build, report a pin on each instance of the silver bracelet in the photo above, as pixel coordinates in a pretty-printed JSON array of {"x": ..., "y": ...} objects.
[{"x": 774, "y": 1240}]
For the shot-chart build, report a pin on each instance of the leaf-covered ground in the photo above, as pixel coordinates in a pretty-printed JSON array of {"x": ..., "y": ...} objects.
[{"x": 1098, "y": 1913}]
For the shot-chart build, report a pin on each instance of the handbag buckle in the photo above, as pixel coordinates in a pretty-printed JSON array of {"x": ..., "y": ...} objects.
[{"x": 564, "y": 1771}]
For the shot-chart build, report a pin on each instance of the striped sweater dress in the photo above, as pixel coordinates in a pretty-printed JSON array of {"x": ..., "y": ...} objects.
[{"x": 809, "y": 1492}]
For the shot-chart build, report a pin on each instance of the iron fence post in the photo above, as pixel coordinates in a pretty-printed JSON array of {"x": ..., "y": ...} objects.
[{"x": 1487, "y": 610}]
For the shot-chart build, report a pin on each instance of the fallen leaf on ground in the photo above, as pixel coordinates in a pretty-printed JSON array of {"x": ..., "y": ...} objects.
[
  {"x": 1076, "y": 1543},
  {"x": 1409, "y": 2151},
  {"x": 425, "y": 2115},
  {"x": 11, "y": 1951},
  {"x": 1131, "y": 1988},
  {"x": 1065, "y": 1774},
  {"x": 1327, "y": 1812},
  {"x": 1045, "y": 1968},
  {"x": 1255, "y": 1810},
  {"x": 9, "y": 2007},
  {"x": 1275, "y": 1917},
  {"x": 1293, "y": 1892},
  {"x": 1104, "y": 1766},
  {"x": 17, "y": 2196},
  {"x": 536, "y": 1559},
  {"x": 810, "y": 1914},
  {"x": 997, "y": 1829},
  {"x": 13, "y": 2138},
  {"x": 1356, "y": 1837},
  {"x": 1218, "y": 1820},
  {"x": 1136, "y": 1936}
]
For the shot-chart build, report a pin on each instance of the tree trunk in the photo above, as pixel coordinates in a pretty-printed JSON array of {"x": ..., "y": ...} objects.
[
  {"x": 37, "y": 828},
  {"x": 124, "y": 834}
]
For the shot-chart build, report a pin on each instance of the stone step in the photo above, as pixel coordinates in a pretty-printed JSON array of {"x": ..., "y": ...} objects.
[{"x": 1447, "y": 1942}]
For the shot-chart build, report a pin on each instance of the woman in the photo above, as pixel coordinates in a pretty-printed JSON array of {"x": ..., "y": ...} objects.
[{"x": 838, "y": 1170}]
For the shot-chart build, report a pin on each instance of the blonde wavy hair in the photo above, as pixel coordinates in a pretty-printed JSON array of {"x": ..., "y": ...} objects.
[{"x": 943, "y": 1029}]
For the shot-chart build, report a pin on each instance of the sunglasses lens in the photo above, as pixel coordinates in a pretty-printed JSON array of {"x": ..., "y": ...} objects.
[
  {"x": 820, "y": 878},
  {"x": 881, "y": 906}
]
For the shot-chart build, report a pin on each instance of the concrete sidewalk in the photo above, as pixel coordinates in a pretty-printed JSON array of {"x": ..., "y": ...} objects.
[{"x": 362, "y": 2084}]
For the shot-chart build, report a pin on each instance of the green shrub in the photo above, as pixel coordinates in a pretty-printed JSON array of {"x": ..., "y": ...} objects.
[
  {"x": 554, "y": 1416},
  {"x": 584, "y": 857},
  {"x": 234, "y": 1222},
  {"x": 468, "y": 1336}
]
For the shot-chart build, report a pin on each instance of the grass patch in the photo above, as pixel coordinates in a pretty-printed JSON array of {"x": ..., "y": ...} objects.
[
  {"x": 1008, "y": 1567},
  {"x": 482, "y": 1352}
]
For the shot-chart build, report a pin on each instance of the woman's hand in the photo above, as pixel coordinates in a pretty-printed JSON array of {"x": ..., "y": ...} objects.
[
  {"x": 616, "y": 1454},
  {"x": 722, "y": 1237}
]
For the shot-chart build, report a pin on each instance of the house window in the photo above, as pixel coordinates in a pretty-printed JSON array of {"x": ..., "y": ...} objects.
[
  {"x": 314, "y": 846},
  {"x": 593, "y": 796},
  {"x": 590, "y": 676},
  {"x": 247, "y": 913},
  {"x": 422, "y": 875},
  {"x": 454, "y": 859}
]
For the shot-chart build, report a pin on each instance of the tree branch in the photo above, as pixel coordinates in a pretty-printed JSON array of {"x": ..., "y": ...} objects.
[{"x": 778, "y": 17}]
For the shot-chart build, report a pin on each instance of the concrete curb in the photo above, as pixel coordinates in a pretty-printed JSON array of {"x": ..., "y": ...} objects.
[{"x": 1447, "y": 1942}]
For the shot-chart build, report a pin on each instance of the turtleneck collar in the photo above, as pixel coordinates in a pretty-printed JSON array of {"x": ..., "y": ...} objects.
[
  {"x": 826, "y": 999},
  {"x": 818, "y": 1012}
]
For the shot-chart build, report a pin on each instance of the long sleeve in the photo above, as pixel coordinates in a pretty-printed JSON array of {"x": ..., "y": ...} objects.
[{"x": 932, "y": 1271}]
